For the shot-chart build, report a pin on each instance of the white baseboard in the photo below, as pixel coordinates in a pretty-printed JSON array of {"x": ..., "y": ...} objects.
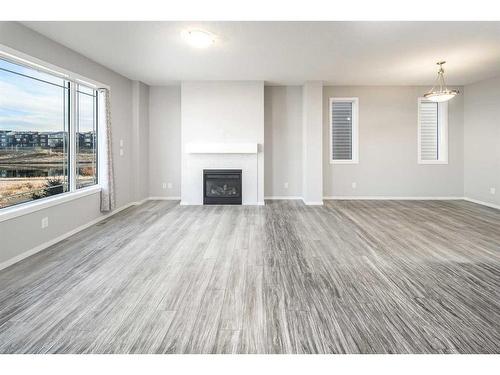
[
  {"x": 282, "y": 197},
  {"x": 313, "y": 203},
  {"x": 492, "y": 205},
  {"x": 287, "y": 197},
  {"x": 47, "y": 244},
  {"x": 163, "y": 198},
  {"x": 396, "y": 198},
  {"x": 201, "y": 204}
]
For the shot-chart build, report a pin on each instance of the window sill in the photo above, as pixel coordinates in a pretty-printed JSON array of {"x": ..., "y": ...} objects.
[
  {"x": 33, "y": 206},
  {"x": 431, "y": 162},
  {"x": 344, "y": 162}
]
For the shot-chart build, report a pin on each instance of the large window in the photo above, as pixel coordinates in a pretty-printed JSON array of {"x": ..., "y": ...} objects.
[
  {"x": 344, "y": 130},
  {"x": 48, "y": 134},
  {"x": 432, "y": 132}
]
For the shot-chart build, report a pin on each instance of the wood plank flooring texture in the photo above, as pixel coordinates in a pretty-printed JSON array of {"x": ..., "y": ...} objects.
[{"x": 348, "y": 277}]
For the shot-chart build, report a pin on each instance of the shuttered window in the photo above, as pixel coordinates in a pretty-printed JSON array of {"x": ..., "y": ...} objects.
[
  {"x": 429, "y": 131},
  {"x": 432, "y": 132},
  {"x": 343, "y": 130}
]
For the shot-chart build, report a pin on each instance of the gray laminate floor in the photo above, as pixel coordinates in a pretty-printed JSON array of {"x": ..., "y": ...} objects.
[{"x": 349, "y": 277}]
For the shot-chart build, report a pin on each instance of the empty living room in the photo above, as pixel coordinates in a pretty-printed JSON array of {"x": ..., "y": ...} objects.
[{"x": 249, "y": 186}]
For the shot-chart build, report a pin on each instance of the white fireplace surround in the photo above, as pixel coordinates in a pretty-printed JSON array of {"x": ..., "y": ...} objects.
[
  {"x": 192, "y": 191},
  {"x": 205, "y": 155},
  {"x": 222, "y": 127},
  {"x": 222, "y": 148}
]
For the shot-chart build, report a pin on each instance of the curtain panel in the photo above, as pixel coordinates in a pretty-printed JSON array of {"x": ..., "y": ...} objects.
[{"x": 106, "y": 155}]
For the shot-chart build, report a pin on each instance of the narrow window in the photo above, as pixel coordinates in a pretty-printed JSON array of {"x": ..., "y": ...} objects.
[
  {"x": 344, "y": 130},
  {"x": 86, "y": 137},
  {"x": 432, "y": 132}
]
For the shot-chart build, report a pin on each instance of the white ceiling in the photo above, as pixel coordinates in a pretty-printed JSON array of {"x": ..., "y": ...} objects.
[{"x": 340, "y": 53}]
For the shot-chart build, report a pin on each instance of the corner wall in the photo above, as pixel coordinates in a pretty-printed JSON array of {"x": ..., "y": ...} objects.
[
  {"x": 140, "y": 140},
  {"x": 283, "y": 141},
  {"x": 165, "y": 141},
  {"x": 482, "y": 141},
  {"x": 312, "y": 143}
]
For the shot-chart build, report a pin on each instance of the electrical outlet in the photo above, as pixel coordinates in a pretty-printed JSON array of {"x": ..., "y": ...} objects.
[
  {"x": 354, "y": 185},
  {"x": 121, "y": 142},
  {"x": 492, "y": 190},
  {"x": 121, "y": 152},
  {"x": 164, "y": 185},
  {"x": 169, "y": 185},
  {"x": 285, "y": 185},
  {"x": 45, "y": 222}
]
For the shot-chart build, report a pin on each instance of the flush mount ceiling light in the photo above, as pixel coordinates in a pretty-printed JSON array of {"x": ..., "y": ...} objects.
[
  {"x": 199, "y": 38},
  {"x": 439, "y": 92}
]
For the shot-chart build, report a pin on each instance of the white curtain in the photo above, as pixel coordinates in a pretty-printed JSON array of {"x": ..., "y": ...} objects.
[{"x": 106, "y": 179}]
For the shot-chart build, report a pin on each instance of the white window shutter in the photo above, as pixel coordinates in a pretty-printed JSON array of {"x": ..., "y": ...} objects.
[
  {"x": 341, "y": 130},
  {"x": 429, "y": 130}
]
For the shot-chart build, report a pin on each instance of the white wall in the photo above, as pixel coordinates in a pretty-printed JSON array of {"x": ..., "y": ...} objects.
[
  {"x": 482, "y": 140},
  {"x": 312, "y": 173},
  {"x": 283, "y": 141},
  {"x": 165, "y": 141},
  {"x": 140, "y": 140},
  {"x": 23, "y": 233},
  {"x": 388, "y": 147},
  {"x": 222, "y": 112}
]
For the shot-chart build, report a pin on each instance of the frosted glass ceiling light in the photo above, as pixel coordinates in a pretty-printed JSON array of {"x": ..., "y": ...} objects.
[
  {"x": 439, "y": 92},
  {"x": 199, "y": 38}
]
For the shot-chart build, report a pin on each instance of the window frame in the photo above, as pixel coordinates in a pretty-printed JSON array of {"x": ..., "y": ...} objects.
[
  {"x": 442, "y": 138},
  {"x": 74, "y": 79},
  {"x": 77, "y": 130},
  {"x": 355, "y": 130}
]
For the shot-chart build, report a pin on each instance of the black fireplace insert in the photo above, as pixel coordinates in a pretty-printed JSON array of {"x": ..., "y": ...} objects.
[{"x": 222, "y": 186}]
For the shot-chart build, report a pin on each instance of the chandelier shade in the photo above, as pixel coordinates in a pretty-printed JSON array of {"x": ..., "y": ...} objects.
[{"x": 439, "y": 92}]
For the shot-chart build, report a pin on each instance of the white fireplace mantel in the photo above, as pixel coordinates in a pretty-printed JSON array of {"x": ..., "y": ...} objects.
[{"x": 221, "y": 148}]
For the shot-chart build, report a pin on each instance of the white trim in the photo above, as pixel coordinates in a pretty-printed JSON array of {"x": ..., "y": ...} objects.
[
  {"x": 73, "y": 128},
  {"x": 163, "y": 198},
  {"x": 52, "y": 242},
  {"x": 443, "y": 134},
  {"x": 283, "y": 197},
  {"x": 355, "y": 131},
  {"x": 253, "y": 204},
  {"x": 22, "y": 209},
  {"x": 22, "y": 58},
  {"x": 184, "y": 203},
  {"x": 382, "y": 197},
  {"x": 312, "y": 203},
  {"x": 492, "y": 205}
]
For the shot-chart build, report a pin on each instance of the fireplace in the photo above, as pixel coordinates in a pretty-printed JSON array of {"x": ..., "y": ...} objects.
[{"x": 222, "y": 186}]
